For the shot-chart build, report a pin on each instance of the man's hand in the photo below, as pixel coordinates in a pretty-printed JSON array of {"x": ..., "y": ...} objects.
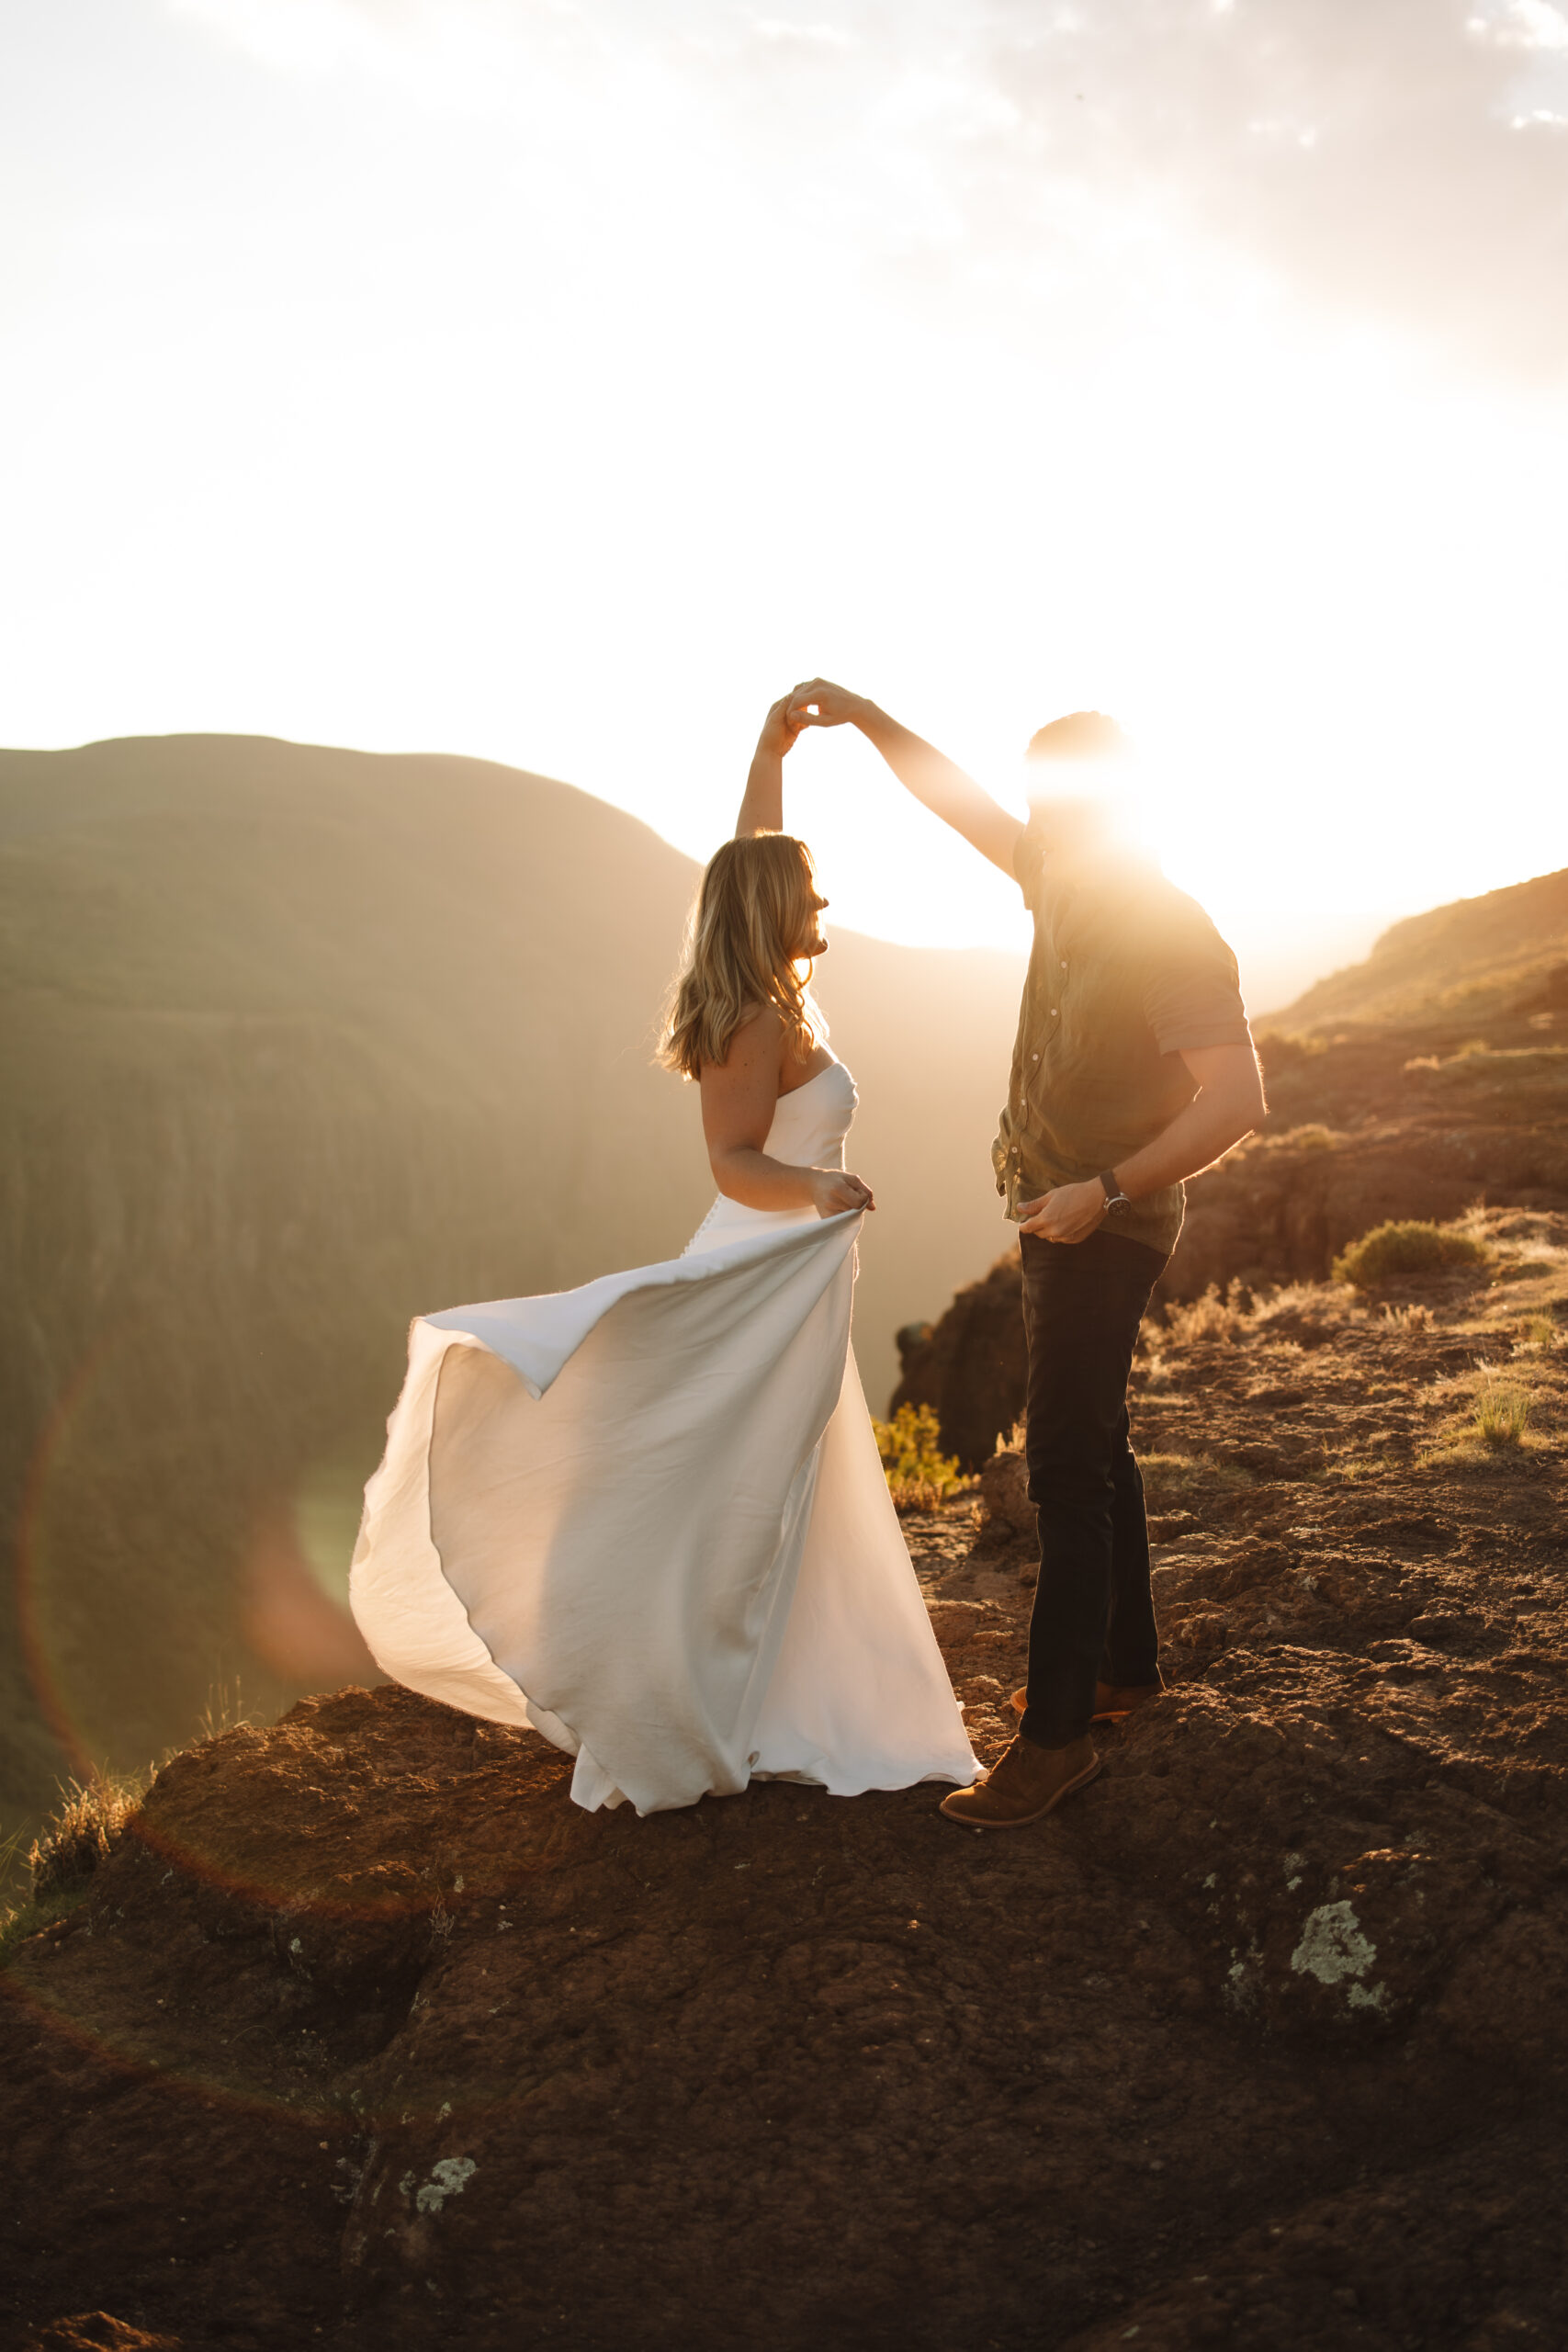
[
  {"x": 817, "y": 702},
  {"x": 1070, "y": 1214},
  {"x": 919, "y": 767}
]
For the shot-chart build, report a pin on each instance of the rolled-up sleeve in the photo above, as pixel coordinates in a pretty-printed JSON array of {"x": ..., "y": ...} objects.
[{"x": 1192, "y": 993}]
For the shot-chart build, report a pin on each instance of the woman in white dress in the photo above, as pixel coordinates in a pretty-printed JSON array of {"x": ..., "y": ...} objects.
[{"x": 647, "y": 1517}]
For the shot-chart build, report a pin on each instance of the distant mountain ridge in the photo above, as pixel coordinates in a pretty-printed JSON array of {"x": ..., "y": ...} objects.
[{"x": 1475, "y": 958}]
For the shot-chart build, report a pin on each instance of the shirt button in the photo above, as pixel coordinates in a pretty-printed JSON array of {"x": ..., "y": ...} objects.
[
  {"x": 1035, "y": 1057},
  {"x": 1052, "y": 1012}
]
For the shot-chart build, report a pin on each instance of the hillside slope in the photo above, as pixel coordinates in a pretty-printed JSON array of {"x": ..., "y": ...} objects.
[
  {"x": 297, "y": 1044},
  {"x": 1473, "y": 960}
]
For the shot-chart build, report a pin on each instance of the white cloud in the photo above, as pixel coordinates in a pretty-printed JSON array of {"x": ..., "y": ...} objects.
[
  {"x": 773, "y": 28},
  {"x": 1523, "y": 24},
  {"x": 1391, "y": 183},
  {"x": 1368, "y": 155}
]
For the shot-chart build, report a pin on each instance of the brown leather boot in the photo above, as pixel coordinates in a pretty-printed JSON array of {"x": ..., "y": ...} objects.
[
  {"x": 1113, "y": 1701},
  {"x": 1025, "y": 1783}
]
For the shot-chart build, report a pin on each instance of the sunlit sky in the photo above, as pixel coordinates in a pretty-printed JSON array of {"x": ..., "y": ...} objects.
[{"x": 558, "y": 383}]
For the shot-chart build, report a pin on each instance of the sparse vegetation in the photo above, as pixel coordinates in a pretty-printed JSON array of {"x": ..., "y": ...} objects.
[
  {"x": 1215, "y": 1316},
  {"x": 1301, "y": 1312},
  {"x": 1502, "y": 1412},
  {"x": 225, "y": 1710},
  {"x": 1529, "y": 1073},
  {"x": 30, "y": 1918},
  {"x": 1406, "y": 1246},
  {"x": 1313, "y": 1136},
  {"x": 84, "y": 1833},
  {"x": 64, "y": 1854},
  {"x": 920, "y": 1476},
  {"x": 1171, "y": 1480},
  {"x": 1413, "y": 1317}
]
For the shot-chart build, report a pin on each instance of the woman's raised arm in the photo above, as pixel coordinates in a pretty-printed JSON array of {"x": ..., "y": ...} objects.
[{"x": 762, "y": 810}]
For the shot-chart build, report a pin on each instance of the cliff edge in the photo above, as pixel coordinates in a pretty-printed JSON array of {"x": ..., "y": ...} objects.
[{"x": 360, "y": 2035}]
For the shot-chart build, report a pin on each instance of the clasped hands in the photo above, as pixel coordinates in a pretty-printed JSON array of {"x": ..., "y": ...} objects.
[
  {"x": 814, "y": 703},
  {"x": 817, "y": 702}
]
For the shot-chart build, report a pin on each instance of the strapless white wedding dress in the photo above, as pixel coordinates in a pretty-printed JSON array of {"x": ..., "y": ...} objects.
[{"x": 647, "y": 1517}]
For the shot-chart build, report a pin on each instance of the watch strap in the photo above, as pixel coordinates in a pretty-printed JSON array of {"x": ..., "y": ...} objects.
[{"x": 1115, "y": 1198}]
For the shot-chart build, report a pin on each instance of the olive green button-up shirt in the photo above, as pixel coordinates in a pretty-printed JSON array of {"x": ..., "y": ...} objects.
[{"x": 1126, "y": 970}]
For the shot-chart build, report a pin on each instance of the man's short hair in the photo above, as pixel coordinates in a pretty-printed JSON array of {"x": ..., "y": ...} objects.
[{"x": 1082, "y": 735}]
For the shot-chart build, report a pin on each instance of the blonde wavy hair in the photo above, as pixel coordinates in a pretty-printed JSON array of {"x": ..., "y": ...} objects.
[{"x": 753, "y": 907}]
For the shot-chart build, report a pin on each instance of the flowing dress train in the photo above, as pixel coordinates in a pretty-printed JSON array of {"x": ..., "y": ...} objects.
[{"x": 647, "y": 1517}]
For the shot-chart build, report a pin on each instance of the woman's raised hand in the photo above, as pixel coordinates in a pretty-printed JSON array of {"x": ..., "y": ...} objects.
[
  {"x": 834, "y": 1190},
  {"x": 762, "y": 805},
  {"x": 781, "y": 727}
]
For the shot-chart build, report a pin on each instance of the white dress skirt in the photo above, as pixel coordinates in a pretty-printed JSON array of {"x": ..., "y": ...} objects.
[{"x": 648, "y": 1518}]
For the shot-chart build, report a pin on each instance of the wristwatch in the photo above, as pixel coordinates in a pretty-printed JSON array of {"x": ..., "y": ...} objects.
[{"x": 1115, "y": 1198}]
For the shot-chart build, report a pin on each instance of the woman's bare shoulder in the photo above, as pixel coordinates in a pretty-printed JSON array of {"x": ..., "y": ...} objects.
[{"x": 757, "y": 1039}]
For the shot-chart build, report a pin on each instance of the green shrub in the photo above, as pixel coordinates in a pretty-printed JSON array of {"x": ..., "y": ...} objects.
[
  {"x": 920, "y": 1476},
  {"x": 1405, "y": 1245}
]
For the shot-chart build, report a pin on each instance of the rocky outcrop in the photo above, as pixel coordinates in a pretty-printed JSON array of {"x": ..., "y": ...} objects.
[
  {"x": 971, "y": 1365},
  {"x": 362, "y": 2035},
  {"x": 1375, "y": 1127}
]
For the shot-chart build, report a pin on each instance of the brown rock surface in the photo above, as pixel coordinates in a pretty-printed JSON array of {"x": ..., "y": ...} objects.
[
  {"x": 363, "y": 2037},
  {"x": 98, "y": 2332}
]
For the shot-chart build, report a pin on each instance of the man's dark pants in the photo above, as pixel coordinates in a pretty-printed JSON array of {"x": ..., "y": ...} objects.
[{"x": 1094, "y": 1617}]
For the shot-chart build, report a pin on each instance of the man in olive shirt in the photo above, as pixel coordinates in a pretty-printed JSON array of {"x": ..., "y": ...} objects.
[{"x": 1134, "y": 1069}]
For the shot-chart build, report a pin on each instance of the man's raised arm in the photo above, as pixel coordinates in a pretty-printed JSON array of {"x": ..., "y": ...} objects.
[{"x": 919, "y": 767}]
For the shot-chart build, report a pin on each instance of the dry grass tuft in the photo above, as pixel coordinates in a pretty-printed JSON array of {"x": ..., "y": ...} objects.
[
  {"x": 1313, "y": 1137},
  {"x": 1215, "y": 1316},
  {"x": 1407, "y": 1319},
  {"x": 1502, "y": 1412},
  {"x": 1297, "y": 1307},
  {"x": 84, "y": 1833},
  {"x": 63, "y": 1856},
  {"x": 225, "y": 1710}
]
